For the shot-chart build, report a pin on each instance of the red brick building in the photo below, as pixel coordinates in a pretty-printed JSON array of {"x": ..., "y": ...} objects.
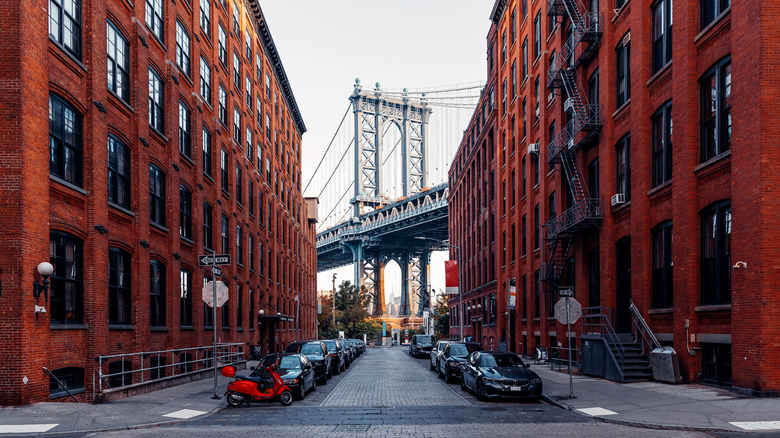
[
  {"x": 598, "y": 199},
  {"x": 190, "y": 143}
]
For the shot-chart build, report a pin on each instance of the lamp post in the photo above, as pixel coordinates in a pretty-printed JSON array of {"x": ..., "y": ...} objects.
[
  {"x": 334, "y": 298},
  {"x": 460, "y": 281},
  {"x": 297, "y": 314}
]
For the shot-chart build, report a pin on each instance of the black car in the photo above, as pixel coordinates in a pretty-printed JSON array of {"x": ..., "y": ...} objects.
[
  {"x": 362, "y": 345},
  {"x": 338, "y": 358},
  {"x": 356, "y": 346},
  {"x": 421, "y": 345},
  {"x": 318, "y": 355},
  {"x": 500, "y": 374},
  {"x": 350, "y": 350},
  {"x": 438, "y": 347},
  {"x": 295, "y": 369},
  {"x": 452, "y": 358}
]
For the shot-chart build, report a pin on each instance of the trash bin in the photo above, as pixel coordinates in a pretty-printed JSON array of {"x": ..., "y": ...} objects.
[{"x": 665, "y": 365}]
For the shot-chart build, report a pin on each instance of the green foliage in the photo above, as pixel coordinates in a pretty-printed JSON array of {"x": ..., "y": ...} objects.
[
  {"x": 441, "y": 312},
  {"x": 351, "y": 314}
]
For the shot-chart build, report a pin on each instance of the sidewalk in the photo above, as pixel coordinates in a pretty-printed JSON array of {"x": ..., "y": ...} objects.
[{"x": 661, "y": 405}]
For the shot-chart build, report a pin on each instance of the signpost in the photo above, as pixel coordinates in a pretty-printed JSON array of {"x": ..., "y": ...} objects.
[
  {"x": 568, "y": 310},
  {"x": 215, "y": 259}
]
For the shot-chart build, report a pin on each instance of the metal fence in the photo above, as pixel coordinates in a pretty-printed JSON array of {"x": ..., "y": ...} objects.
[{"x": 121, "y": 370}]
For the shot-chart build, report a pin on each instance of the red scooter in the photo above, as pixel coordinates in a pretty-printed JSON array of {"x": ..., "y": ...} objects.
[{"x": 251, "y": 389}]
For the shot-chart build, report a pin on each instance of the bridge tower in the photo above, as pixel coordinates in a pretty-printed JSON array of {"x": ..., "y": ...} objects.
[{"x": 373, "y": 111}]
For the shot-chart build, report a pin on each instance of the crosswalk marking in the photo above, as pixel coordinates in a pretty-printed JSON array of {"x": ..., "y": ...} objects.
[
  {"x": 757, "y": 425},
  {"x": 594, "y": 412},
  {"x": 26, "y": 428},
  {"x": 184, "y": 414}
]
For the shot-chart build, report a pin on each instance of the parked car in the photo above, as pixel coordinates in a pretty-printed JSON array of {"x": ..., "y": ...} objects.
[
  {"x": 361, "y": 345},
  {"x": 356, "y": 345},
  {"x": 338, "y": 358},
  {"x": 295, "y": 370},
  {"x": 439, "y": 346},
  {"x": 500, "y": 374},
  {"x": 421, "y": 345},
  {"x": 349, "y": 349},
  {"x": 452, "y": 358},
  {"x": 318, "y": 355}
]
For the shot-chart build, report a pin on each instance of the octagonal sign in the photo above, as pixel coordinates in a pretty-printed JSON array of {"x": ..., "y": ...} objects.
[
  {"x": 208, "y": 293},
  {"x": 575, "y": 311}
]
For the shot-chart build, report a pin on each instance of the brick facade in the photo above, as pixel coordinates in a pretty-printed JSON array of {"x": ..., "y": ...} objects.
[
  {"x": 36, "y": 202},
  {"x": 737, "y": 335}
]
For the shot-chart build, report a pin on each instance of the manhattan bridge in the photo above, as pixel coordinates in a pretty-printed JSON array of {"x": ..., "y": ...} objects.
[{"x": 382, "y": 186}]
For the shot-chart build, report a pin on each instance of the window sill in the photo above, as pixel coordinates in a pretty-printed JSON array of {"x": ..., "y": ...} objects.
[
  {"x": 156, "y": 132},
  {"x": 68, "y": 184},
  {"x": 619, "y": 12},
  {"x": 187, "y": 240},
  {"x": 67, "y": 53},
  {"x": 713, "y": 308},
  {"x": 66, "y": 326},
  {"x": 208, "y": 327},
  {"x": 710, "y": 26},
  {"x": 621, "y": 207},
  {"x": 662, "y": 72},
  {"x": 712, "y": 161},
  {"x": 120, "y": 208},
  {"x": 161, "y": 329},
  {"x": 122, "y": 103},
  {"x": 668, "y": 311},
  {"x": 159, "y": 227},
  {"x": 187, "y": 160},
  {"x": 660, "y": 191},
  {"x": 618, "y": 112},
  {"x": 121, "y": 327}
]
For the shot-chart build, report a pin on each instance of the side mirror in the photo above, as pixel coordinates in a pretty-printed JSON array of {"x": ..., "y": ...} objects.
[
  {"x": 307, "y": 366},
  {"x": 251, "y": 368}
]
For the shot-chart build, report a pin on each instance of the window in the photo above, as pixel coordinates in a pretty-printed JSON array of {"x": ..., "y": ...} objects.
[
  {"x": 513, "y": 193},
  {"x": 65, "y": 24},
  {"x": 118, "y": 172},
  {"x": 593, "y": 178},
  {"x": 185, "y": 212},
  {"x": 185, "y": 147},
  {"x": 67, "y": 282},
  {"x": 503, "y": 97},
  {"x": 251, "y": 309},
  {"x": 236, "y": 29},
  {"x": 513, "y": 243},
  {"x": 206, "y": 152},
  {"x": 156, "y": 195},
  {"x": 156, "y": 367},
  {"x": 225, "y": 316},
  {"x": 239, "y": 192},
  {"x": 156, "y": 294},
  {"x": 260, "y": 256},
  {"x": 248, "y": 42},
  {"x": 535, "y": 161},
  {"x": 593, "y": 89},
  {"x": 716, "y": 254},
  {"x": 259, "y": 68},
  {"x": 711, "y": 9},
  {"x": 514, "y": 80},
  {"x": 268, "y": 85},
  {"x": 623, "y": 86},
  {"x": 185, "y": 306},
  {"x": 503, "y": 47},
  {"x": 225, "y": 235},
  {"x": 551, "y": 206},
  {"x": 260, "y": 206},
  {"x": 250, "y": 150},
  {"x": 662, "y": 144},
  {"x": 268, "y": 126},
  {"x": 71, "y": 378},
  {"x": 205, "y": 17},
  {"x": 536, "y": 227},
  {"x": 662, "y": 266},
  {"x": 154, "y": 17},
  {"x": 716, "y": 363},
  {"x": 251, "y": 247},
  {"x": 524, "y": 237},
  {"x": 538, "y": 34},
  {"x": 223, "y": 170},
  {"x": 623, "y": 167},
  {"x": 205, "y": 80},
  {"x": 536, "y": 99},
  {"x": 513, "y": 25},
  {"x": 523, "y": 171},
  {"x": 619, "y": 3},
  {"x": 222, "y": 44},
  {"x": 118, "y": 62},
  {"x": 239, "y": 249},
  {"x": 118, "y": 286},
  {"x": 525, "y": 120},
  {"x": 716, "y": 110},
  {"x": 65, "y": 141},
  {"x": 537, "y": 294},
  {"x": 237, "y": 125},
  {"x": 249, "y": 93},
  {"x": 662, "y": 34},
  {"x": 182, "y": 49},
  {"x": 207, "y": 215},
  {"x": 239, "y": 306},
  {"x": 156, "y": 101},
  {"x": 525, "y": 58},
  {"x": 236, "y": 71},
  {"x": 222, "y": 105}
]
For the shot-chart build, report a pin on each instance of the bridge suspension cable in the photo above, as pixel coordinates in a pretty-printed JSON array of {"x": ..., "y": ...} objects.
[{"x": 328, "y": 148}]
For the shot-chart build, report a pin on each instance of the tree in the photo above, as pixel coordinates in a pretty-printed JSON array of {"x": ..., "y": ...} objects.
[
  {"x": 351, "y": 303},
  {"x": 441, "y": 313}
]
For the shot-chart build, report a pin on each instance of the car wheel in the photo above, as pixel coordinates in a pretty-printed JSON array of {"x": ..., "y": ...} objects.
[
  {"x": 432, "y": 366},
  {"x": 286, "y": 398},
  {"x": 346, "y": 364},
  {"x": 323, "y": 380},
  {"x": 462, "y": 383},
  {"x": 337, "y": 371},
  {"x": 330, "y": 373},
  {"x": 302, "y": 392},
  {"x": 480, "y": 391},
  {"x": 234, "y": 399},
  {"x": 447, "y": 378}
]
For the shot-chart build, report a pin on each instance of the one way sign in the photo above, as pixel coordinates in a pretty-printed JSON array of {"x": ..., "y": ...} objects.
[{"x": 208, "y": 260}]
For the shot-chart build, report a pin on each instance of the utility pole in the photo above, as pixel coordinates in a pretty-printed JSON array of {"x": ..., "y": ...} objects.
[{"x": 334, "y": 298}]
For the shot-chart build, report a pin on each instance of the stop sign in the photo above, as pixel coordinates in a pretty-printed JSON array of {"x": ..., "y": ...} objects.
[
  {"x": 575, "y": 311},
  {"x": 208, "y": 293}
]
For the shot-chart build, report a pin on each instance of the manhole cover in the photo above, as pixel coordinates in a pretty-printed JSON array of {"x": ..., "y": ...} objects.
[
  {"x": 352, "y": 428},
  {"x": 494, "y": 409}
]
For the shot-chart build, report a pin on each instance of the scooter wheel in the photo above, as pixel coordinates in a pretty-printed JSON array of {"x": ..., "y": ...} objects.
[
  {"x": 286, "y": 398},
  {"x": 234, "y": 399}
]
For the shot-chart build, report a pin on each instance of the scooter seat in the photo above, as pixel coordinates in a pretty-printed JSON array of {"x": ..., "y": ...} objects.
[{"x": 257, "y": 380}]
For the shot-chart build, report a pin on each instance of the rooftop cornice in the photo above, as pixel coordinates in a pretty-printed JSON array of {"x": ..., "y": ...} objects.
[{"x": 498, "y": 10}]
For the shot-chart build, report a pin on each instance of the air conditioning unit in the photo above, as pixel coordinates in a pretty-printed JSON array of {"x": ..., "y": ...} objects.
[
  {"x": 568, "y": 105},
  {"x": 550, "y": 97},
  {"x": 533, "y": 148},
  {"x": 618, "y": 199}
]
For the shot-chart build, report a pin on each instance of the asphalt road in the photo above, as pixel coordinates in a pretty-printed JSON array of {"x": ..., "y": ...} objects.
[{"x": 386, "y": 393}]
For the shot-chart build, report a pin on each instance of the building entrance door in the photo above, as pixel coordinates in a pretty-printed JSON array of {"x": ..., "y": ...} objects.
[{"x": 623, "y": 286}]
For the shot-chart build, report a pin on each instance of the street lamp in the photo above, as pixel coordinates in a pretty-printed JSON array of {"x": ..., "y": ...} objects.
[
  {"x": 297, "y": 314},
  {"x": 460, "y": 281}
]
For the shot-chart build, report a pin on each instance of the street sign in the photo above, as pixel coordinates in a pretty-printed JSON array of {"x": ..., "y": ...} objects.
[
  {"x": 512, "y": 294},
  {"x": 217, "y": 272},
  {"x": 574, "y": 311},
  {"x": 566, "y": 292},
  {"x": 208, "y": 293},
  {"x": 208, "y": 260}
]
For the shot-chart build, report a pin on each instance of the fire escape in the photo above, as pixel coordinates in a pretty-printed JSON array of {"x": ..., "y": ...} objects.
[{"x": 584, "y": 126}]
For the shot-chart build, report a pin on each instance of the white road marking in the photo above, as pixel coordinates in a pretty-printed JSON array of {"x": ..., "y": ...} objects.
[
  {"x": 184, "y": 414},
  {"x": 757, "y": 425},
  {"x": 594, "y": 412},
  {"x": 26, "y": 428}
]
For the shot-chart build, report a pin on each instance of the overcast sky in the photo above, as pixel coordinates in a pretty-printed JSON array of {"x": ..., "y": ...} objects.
[{"x": 326, "y": 44}]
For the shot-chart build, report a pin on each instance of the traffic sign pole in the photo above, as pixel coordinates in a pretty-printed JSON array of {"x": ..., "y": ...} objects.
[
  {"x": 568, "y": 341},
  {"x": 214, "y": 319}
]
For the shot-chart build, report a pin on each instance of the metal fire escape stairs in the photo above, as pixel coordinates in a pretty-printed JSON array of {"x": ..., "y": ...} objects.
[{"x": 584, "y": 127}]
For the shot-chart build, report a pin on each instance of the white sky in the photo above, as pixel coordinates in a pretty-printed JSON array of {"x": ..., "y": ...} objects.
[{"x": 326, "y": 44}]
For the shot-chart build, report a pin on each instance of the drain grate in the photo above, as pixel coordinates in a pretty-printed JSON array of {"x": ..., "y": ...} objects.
[{"x": 352, "y": 428}]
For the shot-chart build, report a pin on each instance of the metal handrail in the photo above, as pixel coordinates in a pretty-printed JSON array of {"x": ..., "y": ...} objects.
[
  {"x": 642, "y": 330},
  {"x": 603, "y": 326},
  {"x": 60, "y": 384},
  {"x": 186, "y": 364}
]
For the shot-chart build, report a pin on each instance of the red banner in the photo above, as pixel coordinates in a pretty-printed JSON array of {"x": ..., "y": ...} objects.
[{"x": 451, "y": 277}]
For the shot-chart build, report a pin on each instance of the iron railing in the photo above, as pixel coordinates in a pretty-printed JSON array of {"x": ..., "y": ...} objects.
[
  {"x": 586, "y": 209},
  {"x": 598, "y": 320},
  {"x": 642, "y": 331}
]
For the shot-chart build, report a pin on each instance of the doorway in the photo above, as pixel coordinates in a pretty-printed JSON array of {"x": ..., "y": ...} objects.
[{"x": 623, "y": 286}]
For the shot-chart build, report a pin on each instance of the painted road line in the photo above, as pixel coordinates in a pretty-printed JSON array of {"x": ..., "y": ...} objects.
[
  {"x": 595, "y": 412},
  {"x": 26, "y": 428},
  {"x": 757, "y": 425},
  {"x": 184, "y": 414}
]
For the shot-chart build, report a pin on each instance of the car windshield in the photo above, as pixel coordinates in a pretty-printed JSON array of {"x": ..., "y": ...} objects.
[
  {"x": 290, "y": 363},
  {"x": 458, "y": 350},
  {"x": 268, "y": 360},
  {"x": 425, "y": 339},
  {"x": 311, "y": 349},
  {"x": 330, "y": 345},
  {"x": 507, "y": 360}
]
